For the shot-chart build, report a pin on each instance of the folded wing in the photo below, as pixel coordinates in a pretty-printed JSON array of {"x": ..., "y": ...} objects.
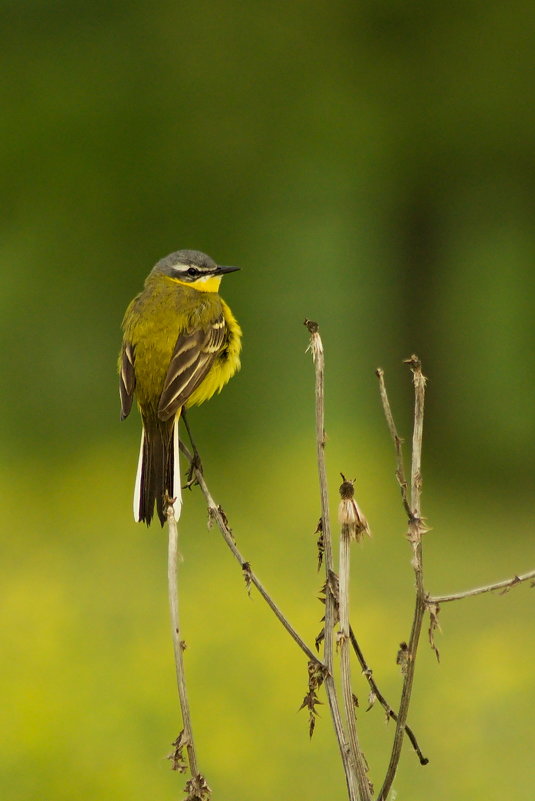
[
  {"x": 192, "y": 358},
  {"x": 127, "y": 380}
]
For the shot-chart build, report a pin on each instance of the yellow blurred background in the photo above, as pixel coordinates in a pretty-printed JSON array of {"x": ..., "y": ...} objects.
[{"x": 371, "y": 166}]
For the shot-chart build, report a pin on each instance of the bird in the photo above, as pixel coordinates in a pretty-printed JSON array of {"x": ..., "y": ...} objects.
[{"x": 181, "y": 344}]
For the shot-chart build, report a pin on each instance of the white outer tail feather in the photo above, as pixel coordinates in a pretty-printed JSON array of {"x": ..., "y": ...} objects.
[{"x": 137, "y": 488}]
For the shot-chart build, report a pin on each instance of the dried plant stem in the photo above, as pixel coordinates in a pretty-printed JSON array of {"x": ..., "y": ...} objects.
[
  {"x": 398, "y": 442},
  {"x": 178, "y": 645},
  {"x": 216, "y": 514},
  {"x": 405, "y": 701},
  {"x": 415, "y": 532},
  {"x": 504, "y": 585},
  {"x": 355, "y": 790},
  {"x": 376, "y": 693},
  {"x": 345, "y": 662}
]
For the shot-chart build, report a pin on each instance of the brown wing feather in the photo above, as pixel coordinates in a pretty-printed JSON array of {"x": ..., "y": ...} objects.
[
  {"x": 127, "y": 381},
  {"x": 192, "y": 358}
]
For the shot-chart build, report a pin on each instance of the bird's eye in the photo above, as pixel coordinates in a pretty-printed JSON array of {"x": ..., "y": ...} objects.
[{"x": 193, "y": 271}]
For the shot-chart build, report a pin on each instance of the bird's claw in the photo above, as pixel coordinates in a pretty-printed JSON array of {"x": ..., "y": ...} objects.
[{"x": 195, "y": 465}]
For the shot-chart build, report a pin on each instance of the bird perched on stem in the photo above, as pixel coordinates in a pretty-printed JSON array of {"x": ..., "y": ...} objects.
[{"x": 181, "y": 344}]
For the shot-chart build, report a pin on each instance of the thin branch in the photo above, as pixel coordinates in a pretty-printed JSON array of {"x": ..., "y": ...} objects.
[
  {"x": 398, "y": 442},
  {"x": 196, "y": 787},
  {"x": 217, "y": 515},
  {"x": 504, "y": 585},
  {"x": 416, "y": 530},
  {"x": 357, "y": 788},
  {"x": 377, "y": 694}
]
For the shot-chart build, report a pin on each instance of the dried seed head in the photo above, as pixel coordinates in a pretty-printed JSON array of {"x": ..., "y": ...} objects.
[
  {"x": 177, "y": 754},
  {"x": 316, "y": 677},
  {"x": 315, "y": 345},
  {"x": 403, "y": 657},
  {"x": 248, "y": 576},
  {"x": 372, "y": 698},
  {"x": 197, "y": 789},
  {"x": 354, "y": 524},
  {"x": 320, "y": 544},
  {"x": 434, "y": 626}
]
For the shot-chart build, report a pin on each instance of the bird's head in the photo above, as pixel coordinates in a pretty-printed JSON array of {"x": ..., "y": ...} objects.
[{"x": 193, "y": 268}]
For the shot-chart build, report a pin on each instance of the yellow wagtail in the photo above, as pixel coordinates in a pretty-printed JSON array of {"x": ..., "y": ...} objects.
[{"x": 181, "y": 344}]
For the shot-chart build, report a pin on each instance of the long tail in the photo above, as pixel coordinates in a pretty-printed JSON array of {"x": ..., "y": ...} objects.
[{"x": 158, "y": 470}]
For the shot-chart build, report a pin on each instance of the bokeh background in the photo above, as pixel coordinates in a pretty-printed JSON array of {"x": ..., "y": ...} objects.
[{"x": 370, "y": 165}]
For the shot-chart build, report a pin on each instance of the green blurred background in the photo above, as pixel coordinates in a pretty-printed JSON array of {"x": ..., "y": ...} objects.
[{"x": 372, "y": 166}]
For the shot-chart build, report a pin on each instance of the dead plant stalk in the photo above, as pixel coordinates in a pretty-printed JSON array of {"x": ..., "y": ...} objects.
[
  {"x": 416, "y": 529},
  {"x": 356, "y": 780}
]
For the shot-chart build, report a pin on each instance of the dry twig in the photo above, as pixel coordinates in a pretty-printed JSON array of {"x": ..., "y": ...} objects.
[
  {"x": 504, "y": 586},
  {"x": 416, "y": 530},
  {"x": 356, "y": 780},
  {"x": 376, "y": 694},
  {"x": 196, "y": 788},
  {"x": 398, "y": 442}
]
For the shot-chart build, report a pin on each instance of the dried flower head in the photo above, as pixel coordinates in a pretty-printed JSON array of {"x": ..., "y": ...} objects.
[
  {"x": 320, "y": 544},
  {"x": 403, "y": 657},
  {"x": 197, "y": 789},
  {"x": 354, "y": 524},
  {"x": 248, "y": 576},
  {"x": 177, "y": 754},
  {"x": 316, "y": 677},
  {"x": 315, "y": 344}
]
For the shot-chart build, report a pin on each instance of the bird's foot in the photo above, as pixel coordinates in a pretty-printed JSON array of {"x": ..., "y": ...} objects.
[{"x": 195, "y": 466}]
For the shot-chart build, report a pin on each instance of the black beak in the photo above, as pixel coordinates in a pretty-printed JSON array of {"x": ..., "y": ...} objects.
[{"x": 222, "y": 270}]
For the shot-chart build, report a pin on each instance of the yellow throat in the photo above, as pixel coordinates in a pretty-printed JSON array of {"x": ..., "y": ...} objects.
[{"x": 207, "y": 283}]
